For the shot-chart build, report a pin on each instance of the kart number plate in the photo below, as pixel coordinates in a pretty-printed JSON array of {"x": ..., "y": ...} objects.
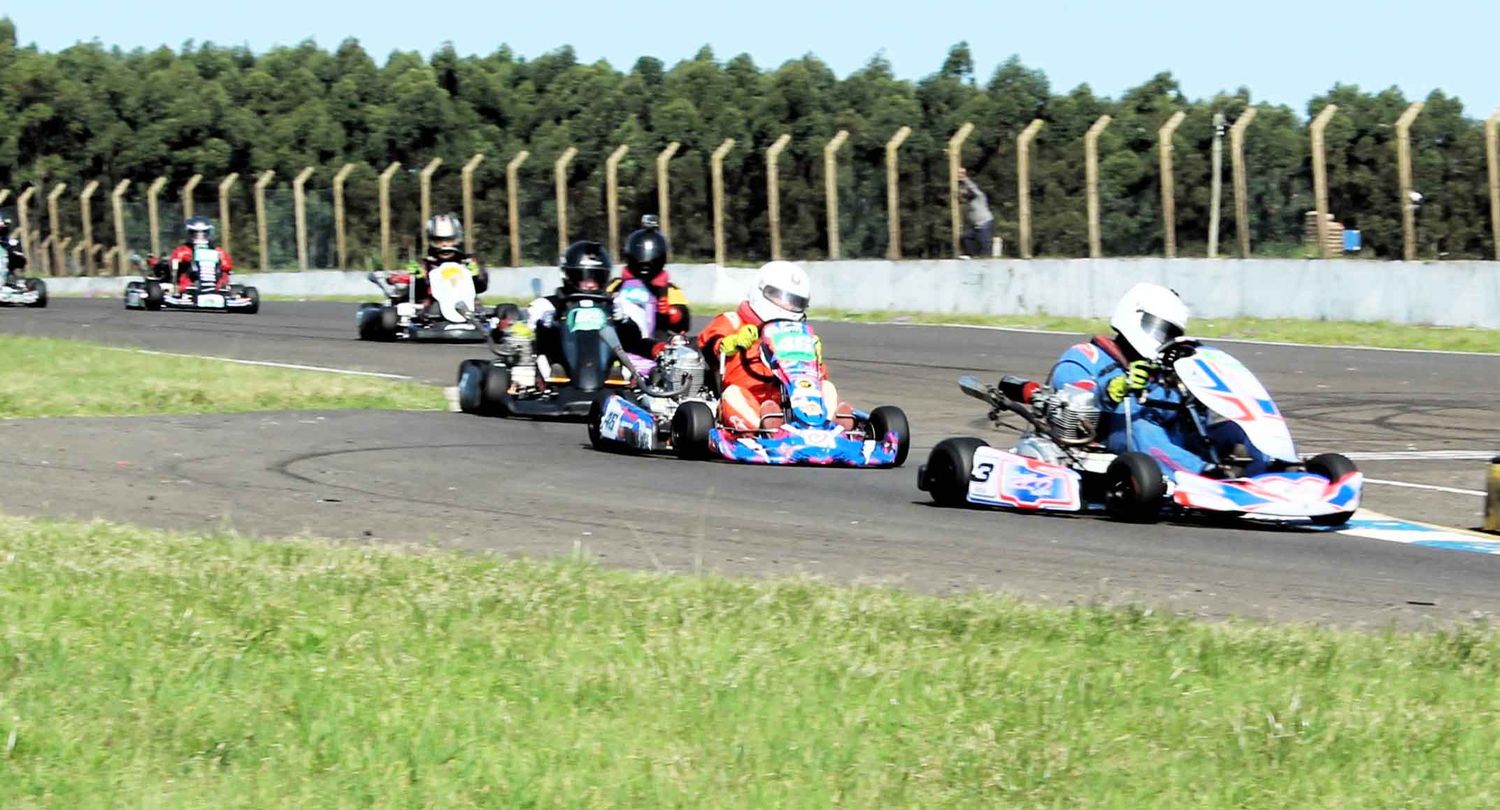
[
  {"x": 611, "y": 425},
  {"x": 213, "y": 301},
  {"x": 586, "y": 320},
  {"x": 794, "y": 346}
]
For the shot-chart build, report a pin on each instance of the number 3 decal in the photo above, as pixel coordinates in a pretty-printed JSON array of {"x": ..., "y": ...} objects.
[{"x": 982, "y": 472}]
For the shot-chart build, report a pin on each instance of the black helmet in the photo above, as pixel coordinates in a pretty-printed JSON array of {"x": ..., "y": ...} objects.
[
  {"x": 585, "y": 267},
  {"x": 199, "y": 231},
  {"x": 646, "y": 250},
  {"x": 444, "y": 232}
]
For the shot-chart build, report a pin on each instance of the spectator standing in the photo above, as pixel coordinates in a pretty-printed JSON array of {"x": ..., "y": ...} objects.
[{"x": 980, "y": 234}]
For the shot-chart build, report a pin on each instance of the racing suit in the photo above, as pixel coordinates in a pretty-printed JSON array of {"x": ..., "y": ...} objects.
[
  {"x": 1164, "y": 433},
  {"x": 672, "y": 315},
  {"x": 181, "y": 262},
  {"x": 749, "y": 395},
  {"x": 543, "y": 317},
  {"x": 416, "y": 272},
  {"x": 12, "y": 260}
]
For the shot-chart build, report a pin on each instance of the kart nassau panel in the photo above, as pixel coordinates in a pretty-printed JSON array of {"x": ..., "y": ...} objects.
[
  {"x": 1278, "y": 495},
  {"x": 1002, "y": 478},
  {"x": 790, "y": 445},
  {"x": 629, "y": 424},
  {"x": 12, "y": 295},
  {"x": 451, "y": 283},
  {"x": 1229, "y": 389}
]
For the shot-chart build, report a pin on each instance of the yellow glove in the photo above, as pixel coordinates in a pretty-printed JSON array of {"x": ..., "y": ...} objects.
[
  {"x": 1135, "y": 378},
  {"x": 520, "y": 329},
  {"x": 743, "y": 339}
]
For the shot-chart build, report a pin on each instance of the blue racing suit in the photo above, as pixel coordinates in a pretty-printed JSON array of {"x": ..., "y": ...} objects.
[{"x": 1166, "y": 434}]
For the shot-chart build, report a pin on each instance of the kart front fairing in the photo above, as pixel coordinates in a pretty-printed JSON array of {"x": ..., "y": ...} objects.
[{"x": 1231, "y": 392}]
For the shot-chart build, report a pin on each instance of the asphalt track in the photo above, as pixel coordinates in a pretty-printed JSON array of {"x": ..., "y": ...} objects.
[{"x": 536, "y": 488}]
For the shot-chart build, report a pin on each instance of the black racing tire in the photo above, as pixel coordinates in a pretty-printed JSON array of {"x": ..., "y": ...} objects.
[
  {"x": 495, "y": 390},
  {"x": 471, "y": 374},
  {"x": 254, "y": 295},
  {"x": 945, "y": 476},
  {"x": 154, "y": 296},
  {"x": 1332, "y": 466},
  {"x": 1134, "y": 488},
  {"x": 890, "y": 419},
  {"x": 373, "y": 323},
  {"x": 40, "y": 288},
  {"x": 690, "y": 428}
]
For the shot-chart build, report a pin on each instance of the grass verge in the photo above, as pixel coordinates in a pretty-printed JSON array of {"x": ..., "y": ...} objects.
[
  {"x": 139, "y": 668},
  {"x": 46, "y": 377}
]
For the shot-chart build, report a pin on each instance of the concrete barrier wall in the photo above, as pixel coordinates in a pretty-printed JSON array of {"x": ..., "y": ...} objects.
[{"x": 1440, "y": 293}]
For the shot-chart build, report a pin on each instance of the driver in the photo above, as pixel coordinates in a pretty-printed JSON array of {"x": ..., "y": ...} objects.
[
  {"x": 444, "y": 233},
  {"x": 10, "y": 251},
  {"x": 646, "y": 252},
  {"x": 585, "y": 270},
  {"x": 1121, "y": 368},
  {"x": 748, "y": 399},
  {"x": 199, "y": 235}
]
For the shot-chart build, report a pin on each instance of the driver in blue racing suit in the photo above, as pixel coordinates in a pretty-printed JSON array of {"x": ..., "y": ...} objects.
[{"x": 1121, "y": 370}]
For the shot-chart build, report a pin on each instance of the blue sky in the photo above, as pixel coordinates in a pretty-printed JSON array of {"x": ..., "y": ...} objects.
[{"x": 1285, "y": 52}]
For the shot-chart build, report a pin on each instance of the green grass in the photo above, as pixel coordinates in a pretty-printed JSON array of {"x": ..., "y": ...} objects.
[
  {"x": 45, "y": 377},
  {"x": 1325, "y": 333},
  {"x": 144, "y": 669}
]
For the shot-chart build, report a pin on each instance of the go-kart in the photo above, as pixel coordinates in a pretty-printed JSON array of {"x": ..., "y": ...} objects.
[
  {"x": 20, "y": 291},
  {"x": 520, "y": 381},
  {"x": 808, "y": 432},
  {"x": 204, "y": 294},
  {"x": 403, "y": 317},
  {"x": 1058, "y": 464}
]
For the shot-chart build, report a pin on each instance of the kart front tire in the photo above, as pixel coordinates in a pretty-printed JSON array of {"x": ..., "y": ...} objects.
[
  {"x": 374, "y": 324},
  {"x": 471, "y": 374},
  {"x": 154, "y": 296},
  {"x": 690, "y": 428},
  {"x": 495, "y": 390},
  {"x": 1134, "y": 488},
  {"x": 888, "y": 419},
  {"x": 254, "y": 295},
  {"x": 40, "y": 288},
  {"x": 945, "y": 476},
  {"x": 1332, "y": 466}
]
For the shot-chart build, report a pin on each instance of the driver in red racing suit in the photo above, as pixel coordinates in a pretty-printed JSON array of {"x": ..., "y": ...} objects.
[
  {"x": 200, "y": 234},
  {"x": 747, "y": 400}
]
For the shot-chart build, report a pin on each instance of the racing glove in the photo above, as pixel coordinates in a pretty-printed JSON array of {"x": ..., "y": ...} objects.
[
  {"x": 743, "y": 339},
  {"x": 1136, "y": 377}
]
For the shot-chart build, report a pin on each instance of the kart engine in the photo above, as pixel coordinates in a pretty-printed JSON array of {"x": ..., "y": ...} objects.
[
  {"x": 680, "y": 366},
  {"x": 521, "y": 353},
  {"x": 1072, "y": 413}
]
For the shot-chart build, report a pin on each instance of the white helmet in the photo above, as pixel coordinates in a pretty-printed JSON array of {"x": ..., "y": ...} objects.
[
  {"x": 782, "y": 292},
  {"x": 1149, "y": 316}
]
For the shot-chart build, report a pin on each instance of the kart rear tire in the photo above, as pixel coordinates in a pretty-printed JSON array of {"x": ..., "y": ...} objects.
[
  {"x": 1332, "y": 466},
  {"x": 375, "y": 325},
  {"x": 690, "y": 428},
  {"x": 471, "y": 374},
  {"x": 890, "y": 419},
  {"x": 254, "y": 296},
  {"x": 40, "y": 288},
  {"x": 1134, "y": 488},
  {"x": 154, "y": 296},
  {"x": 945, "y": 476}
]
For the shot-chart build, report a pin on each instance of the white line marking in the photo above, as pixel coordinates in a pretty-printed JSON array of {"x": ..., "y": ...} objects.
[
  {"x": 1434, "y": 488},
  {"x": 295, "y": 366},
  {"x": 1424, "y": 455},
  {"x": 1024, "y": 330}
]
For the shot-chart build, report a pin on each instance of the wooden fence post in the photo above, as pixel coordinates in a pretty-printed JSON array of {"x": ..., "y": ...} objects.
[
  {"x": 387, "y": 259},
  {"x": 560, "y": 184},
  {"x": 117, "y": 202},
  {"x": 1492, "y": 153},
  {"x": 260, "y": 218},
  {"x": 23, "y": 217},
  {"x": 467, "y": 176},
  {"x": 955, "y": 156},
  {"x": 54, "y": 227},
  {"x": 225, "y": 186},
  {"x": 1237, "y": 173},
  {"x": 773, "y": 192},
  {"x": 1168, "y": 187},
  {"x": 893, "y": 194},
  {"x": 425, "y": 177},
  {"x": 512, "y": 192},
  {"x": 340, "y": 229},
  {"x": 299, "y": 209},
  {"x": 612, "y": 197},
  {"x": 1023, "y": 183},
  {"x": 716, "y": 173},
  {"x": 86, "y": 213},
  {"x": 663, "y": 186},
  {"x": 1320, "y": 175},
  {"x": 1091, "y": 183},
  {"x": 153, "y": 192},
  {"x": 831, "y": 190},
  {"x": 1403, "y": 172},
  {"x": 187, "y": 195}
]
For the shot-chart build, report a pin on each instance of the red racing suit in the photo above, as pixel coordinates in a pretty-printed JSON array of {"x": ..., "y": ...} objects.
[
  {"x": 747, "y": 397},
  {"x": 181, "y": 262}
]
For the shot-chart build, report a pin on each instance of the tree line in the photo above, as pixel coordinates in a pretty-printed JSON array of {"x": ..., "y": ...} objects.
[{"x": 90, "y": 112}]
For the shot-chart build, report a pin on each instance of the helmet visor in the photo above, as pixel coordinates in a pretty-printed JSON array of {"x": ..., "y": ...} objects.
[
  {"x": 786, "y": 300},
  {"x": 1160, "y": 330}
]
